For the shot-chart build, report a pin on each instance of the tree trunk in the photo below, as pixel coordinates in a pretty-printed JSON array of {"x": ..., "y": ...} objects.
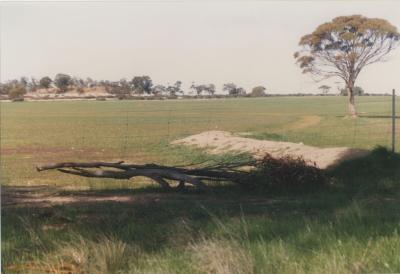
[{"x": 352, "y": 106}]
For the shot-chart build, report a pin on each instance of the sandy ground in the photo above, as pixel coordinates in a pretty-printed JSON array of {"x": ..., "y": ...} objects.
[{"x": 218, "y": 142}]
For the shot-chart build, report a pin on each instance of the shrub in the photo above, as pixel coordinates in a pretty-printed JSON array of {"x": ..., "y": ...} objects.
[
  {"x": 258, "y": 91},
  {"x": 286, "y": 171},
  {"x": 17, "y": 93}
]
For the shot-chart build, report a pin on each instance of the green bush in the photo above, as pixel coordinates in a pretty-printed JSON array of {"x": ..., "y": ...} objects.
[{"x": 17, "y": 93}]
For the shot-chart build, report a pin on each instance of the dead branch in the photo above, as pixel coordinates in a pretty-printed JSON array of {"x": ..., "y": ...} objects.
[{"x": 160, "y": 174}]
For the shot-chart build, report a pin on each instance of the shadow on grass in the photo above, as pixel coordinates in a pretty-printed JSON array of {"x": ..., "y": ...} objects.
[{"x": 380, "y": 169}]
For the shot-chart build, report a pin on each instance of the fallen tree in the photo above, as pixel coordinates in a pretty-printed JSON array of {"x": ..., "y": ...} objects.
[
  {"x": 285, "y": 171},
  {"x": 163, "y": 175}
]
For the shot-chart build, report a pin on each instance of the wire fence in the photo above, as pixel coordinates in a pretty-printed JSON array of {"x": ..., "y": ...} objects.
[{"x": 143, "y": 131}]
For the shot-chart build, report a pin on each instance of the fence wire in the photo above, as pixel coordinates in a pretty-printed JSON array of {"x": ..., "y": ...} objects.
[{"x": 130, "y": 134}]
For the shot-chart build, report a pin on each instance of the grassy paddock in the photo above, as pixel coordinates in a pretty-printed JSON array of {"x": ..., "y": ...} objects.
[
  {"x": 350, "y": 226},
  {"x": 140, "y": 131}
]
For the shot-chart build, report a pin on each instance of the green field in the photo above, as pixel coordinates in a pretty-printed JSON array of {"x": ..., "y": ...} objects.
[
  {"x": 351, "y": 226},
  {"x": 140, "y": 131}
]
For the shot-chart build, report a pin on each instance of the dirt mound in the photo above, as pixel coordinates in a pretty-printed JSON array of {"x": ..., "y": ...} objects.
[{"x": 217, "y": 142}]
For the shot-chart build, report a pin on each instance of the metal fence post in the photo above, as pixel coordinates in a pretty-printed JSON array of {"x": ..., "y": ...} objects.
[{"x": 393, "y": 120}]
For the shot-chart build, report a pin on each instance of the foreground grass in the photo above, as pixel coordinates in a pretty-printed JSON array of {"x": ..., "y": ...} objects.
[{"x": 351, "y": 226}]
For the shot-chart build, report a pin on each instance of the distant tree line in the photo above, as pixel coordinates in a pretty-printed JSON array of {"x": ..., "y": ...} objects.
[
  {"x": 138, "y": 86},
  {"x": 358, "y": 91},
  {"x": 124, "y": 88}
]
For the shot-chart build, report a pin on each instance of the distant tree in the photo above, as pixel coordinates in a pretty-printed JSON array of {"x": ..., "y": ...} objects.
[
  {"x": 82, "y": 83},
  {"x": 90, "y": 83},
  {"x": 258, "y": 91},
  {"x": 325, "y": 89},
  {"x": 343, "y": 47},
  {"x": 358, "y": 91},
  {"x": 210, "y": 88},
  {"x": 118, "y": 88},
  {"x": 77, "y": 82},
  {"x": 62, "y": 81},
  {"x": 32, "y": 85},
  {"x": 105, "y": 84},
  {"x": 233, "y": 90},
  {"x": 175, "y": 88},
  {"x": 125, "y": 86},
  {"x": 24, "y": 81},
  {"x": 45, "y": 82},
  {"x": 241, "y": 91},
  {"x": 5, "y": 88},
  {"x": 197, "y": 88},
  {"x": 158, "y": 90},
  {"x": 142, "y": 84},
  {"x": 17, "y": 92}
]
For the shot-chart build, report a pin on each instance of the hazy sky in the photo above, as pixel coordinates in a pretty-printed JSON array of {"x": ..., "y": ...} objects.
[{"x": 249, "y": 43}]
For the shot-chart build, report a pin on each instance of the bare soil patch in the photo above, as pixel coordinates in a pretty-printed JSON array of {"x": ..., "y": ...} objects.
[{"x": 217, "y": 142}]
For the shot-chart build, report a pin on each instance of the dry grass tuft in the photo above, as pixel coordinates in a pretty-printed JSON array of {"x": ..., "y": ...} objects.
[
  {"x": 106, "y": 255},
  {"x": 221, "y": 257}
]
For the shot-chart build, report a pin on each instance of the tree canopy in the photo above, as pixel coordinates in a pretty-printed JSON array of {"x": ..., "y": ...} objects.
[
  {"x": 258, "y": 91},
  {"x": 325, "y": 89},
  {"x": 343, "y": 47},
  {"x": 45, "y": 82},
  {"x": 142, "y": 84},
  {"x": 17, "y": 92},
  {"x": 234, "y": 90},
  {"x": 210, "y": 88},
  {"x": 62, "y": 81},
  {"x": 175, "y": 88}
]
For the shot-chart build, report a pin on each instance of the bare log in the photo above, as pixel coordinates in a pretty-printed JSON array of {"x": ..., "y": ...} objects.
[{"x": 158, "y": 173}]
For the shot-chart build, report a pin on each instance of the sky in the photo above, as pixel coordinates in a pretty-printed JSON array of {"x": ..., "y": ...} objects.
[{"x": 248, "y": 43}]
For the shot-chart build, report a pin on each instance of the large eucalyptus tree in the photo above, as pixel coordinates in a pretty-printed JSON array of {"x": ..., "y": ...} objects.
[{"x": 343, "y": 47}]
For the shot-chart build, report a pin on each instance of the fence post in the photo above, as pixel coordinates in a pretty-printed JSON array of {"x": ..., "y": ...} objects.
[{"x": 393, "y": 120}]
